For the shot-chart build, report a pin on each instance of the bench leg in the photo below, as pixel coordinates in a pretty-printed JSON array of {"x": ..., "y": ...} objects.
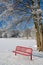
[{"x": 31, "y": 57}]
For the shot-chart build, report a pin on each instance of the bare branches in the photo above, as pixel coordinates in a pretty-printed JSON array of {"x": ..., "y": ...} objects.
[{"x": 23, "y": 18}]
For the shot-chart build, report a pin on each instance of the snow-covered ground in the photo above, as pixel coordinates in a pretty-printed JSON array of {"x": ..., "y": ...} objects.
[
  {"x": 8, "y": 58},
  {"x": 8, "y": 44}
]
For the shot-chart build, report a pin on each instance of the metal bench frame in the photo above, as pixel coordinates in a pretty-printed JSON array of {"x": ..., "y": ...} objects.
[{"x": 23, "y": 51}]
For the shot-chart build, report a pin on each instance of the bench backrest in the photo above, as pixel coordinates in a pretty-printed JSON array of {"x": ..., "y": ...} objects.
[{"x": 24, "y": 49}]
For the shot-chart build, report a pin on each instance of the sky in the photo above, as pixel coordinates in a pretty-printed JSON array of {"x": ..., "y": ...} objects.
[{"x": 22, "y": 25}]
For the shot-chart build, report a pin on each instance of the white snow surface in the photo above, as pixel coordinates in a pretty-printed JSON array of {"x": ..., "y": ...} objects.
[
  {"x": 7, "y": 57},
  {"x": 8, "y": 44}
]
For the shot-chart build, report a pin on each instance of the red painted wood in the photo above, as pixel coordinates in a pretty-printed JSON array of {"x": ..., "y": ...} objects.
[{"x": 23, "y": 51}]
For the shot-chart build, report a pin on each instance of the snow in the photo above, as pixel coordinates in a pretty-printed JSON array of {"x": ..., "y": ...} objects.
[
  {"x": 7, "y": 44},
  {"x": 8, "y": 58}
]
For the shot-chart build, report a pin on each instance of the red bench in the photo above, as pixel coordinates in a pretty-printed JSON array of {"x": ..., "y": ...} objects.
[{"x": 23, "y": 51}]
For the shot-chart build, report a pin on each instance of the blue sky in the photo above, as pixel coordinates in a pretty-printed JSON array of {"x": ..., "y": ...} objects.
[
  {"x": 41, "y": 4},
  {"x": 22, "y": 25}
]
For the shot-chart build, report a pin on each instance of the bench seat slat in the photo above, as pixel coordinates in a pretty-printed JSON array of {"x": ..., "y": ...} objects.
[
  {"x": 22, "y": 53},
  {"x": 26, "y": 54}
]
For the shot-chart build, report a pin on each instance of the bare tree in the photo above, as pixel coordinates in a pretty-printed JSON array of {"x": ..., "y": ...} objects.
[{"x": 27, "y": 33}]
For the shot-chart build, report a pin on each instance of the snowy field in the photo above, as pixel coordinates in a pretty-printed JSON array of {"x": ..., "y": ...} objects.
[
  {"x": 8, "y": 58},
  {"x": 8, "y": 44}
]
